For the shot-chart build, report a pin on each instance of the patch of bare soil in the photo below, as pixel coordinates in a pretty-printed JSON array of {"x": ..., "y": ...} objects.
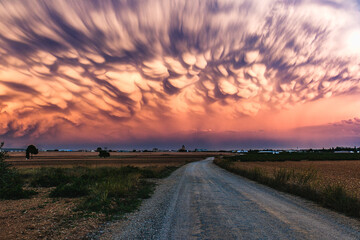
[{"x": 41, "y": 217}]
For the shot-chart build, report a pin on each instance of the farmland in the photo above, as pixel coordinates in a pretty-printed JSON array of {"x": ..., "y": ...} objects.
[
  {"x": 75, "y": 192},
  {"x": 334, "y": 184},
  {"x": 91, "y": 159},
  {"x": 345, "y": 173}
]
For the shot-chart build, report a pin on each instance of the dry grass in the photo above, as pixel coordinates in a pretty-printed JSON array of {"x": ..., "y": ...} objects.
[
  {"x": 344, "y": 173},
  {"x": 117, "y": 159},
  {"x": 44, "y": 218}
]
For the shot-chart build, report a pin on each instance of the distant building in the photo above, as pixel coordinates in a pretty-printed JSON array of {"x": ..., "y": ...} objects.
[
  {"x": 200, "y": 150},
  {"x": 242, "y": 151},
  {"x": 344, "y": 152},
  {"x": 13, "y": 150},
  {"x": 269, "y": 151}
]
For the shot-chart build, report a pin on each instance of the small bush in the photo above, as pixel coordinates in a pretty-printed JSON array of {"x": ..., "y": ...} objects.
[
  {"x": 104, "y": 154},
  {"x": 11, "y": 183}
]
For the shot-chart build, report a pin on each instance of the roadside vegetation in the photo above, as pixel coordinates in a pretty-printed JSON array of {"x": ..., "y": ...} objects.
[
  {"x": 105, "y": 190},
  {"x": 73, "y": 201},
  {"x": 297, "y": 180},
  {"x": 11, "y": 182}
]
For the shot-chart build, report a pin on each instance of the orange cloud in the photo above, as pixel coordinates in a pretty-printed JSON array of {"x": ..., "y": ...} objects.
[{"x": 114, "y": 70}]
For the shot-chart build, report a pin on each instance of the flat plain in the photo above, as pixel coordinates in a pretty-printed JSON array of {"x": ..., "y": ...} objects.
[
  {"x": 116, "y": 159},
  {"x": 42, "y": 216}
]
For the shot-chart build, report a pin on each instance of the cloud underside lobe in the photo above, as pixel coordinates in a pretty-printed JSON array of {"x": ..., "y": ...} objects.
[{"x": 128, "y": 67}]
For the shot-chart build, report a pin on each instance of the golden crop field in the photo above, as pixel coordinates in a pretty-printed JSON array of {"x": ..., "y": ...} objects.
[{"x": 343, "y": 173}]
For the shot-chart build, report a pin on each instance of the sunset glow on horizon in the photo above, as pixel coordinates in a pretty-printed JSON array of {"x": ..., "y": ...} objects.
[{"x": 210, "y": 74}]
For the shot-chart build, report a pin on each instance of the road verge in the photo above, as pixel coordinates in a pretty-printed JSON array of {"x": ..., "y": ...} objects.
[{"x": 332, "y": 196}]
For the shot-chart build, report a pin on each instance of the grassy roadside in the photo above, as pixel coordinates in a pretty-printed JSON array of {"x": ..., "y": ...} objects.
[
  {"x": 69, "y": 203},
  {"x": 102, "y": 190},
  {"x": 302, "y": 183}
]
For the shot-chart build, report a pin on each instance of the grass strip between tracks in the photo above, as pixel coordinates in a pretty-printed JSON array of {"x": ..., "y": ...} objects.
[{"x": 301, "y": 183}]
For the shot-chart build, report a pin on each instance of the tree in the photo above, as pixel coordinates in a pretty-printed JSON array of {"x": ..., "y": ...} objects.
[
  {"x": 98, "y": 149},
  {"x": 104, "y": 154},
  {"x": 30, "y": 150}
]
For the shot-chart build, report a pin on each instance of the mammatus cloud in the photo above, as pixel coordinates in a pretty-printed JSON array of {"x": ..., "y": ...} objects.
[{"x": 126, "y": 68}]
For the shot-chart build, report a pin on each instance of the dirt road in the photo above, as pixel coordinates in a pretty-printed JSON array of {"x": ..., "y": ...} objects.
[{"x": 203, "y": 201}]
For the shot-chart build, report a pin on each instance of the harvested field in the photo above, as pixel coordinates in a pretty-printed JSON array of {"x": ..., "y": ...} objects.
[
  {"x": 344, "y": 173},
  {"x": 91, "y": 159}
]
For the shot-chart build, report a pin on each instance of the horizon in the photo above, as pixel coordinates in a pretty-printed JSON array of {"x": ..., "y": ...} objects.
[{"x": 214, "y": 74}]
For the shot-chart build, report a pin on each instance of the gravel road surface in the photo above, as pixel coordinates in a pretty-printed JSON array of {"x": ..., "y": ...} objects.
[{"x": 203, "y": 201}]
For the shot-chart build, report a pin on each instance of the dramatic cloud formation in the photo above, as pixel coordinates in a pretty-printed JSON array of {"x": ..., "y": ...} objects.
[{"x": 101, "y": 70}]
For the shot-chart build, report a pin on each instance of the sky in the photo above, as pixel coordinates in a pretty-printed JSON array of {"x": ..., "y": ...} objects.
[{"x": 225, "y": 74}]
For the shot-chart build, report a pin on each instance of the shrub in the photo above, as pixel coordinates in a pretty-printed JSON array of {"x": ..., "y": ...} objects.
[
  {"x": 104, "y": 154},
  {"x": 11, "y": 184}
]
